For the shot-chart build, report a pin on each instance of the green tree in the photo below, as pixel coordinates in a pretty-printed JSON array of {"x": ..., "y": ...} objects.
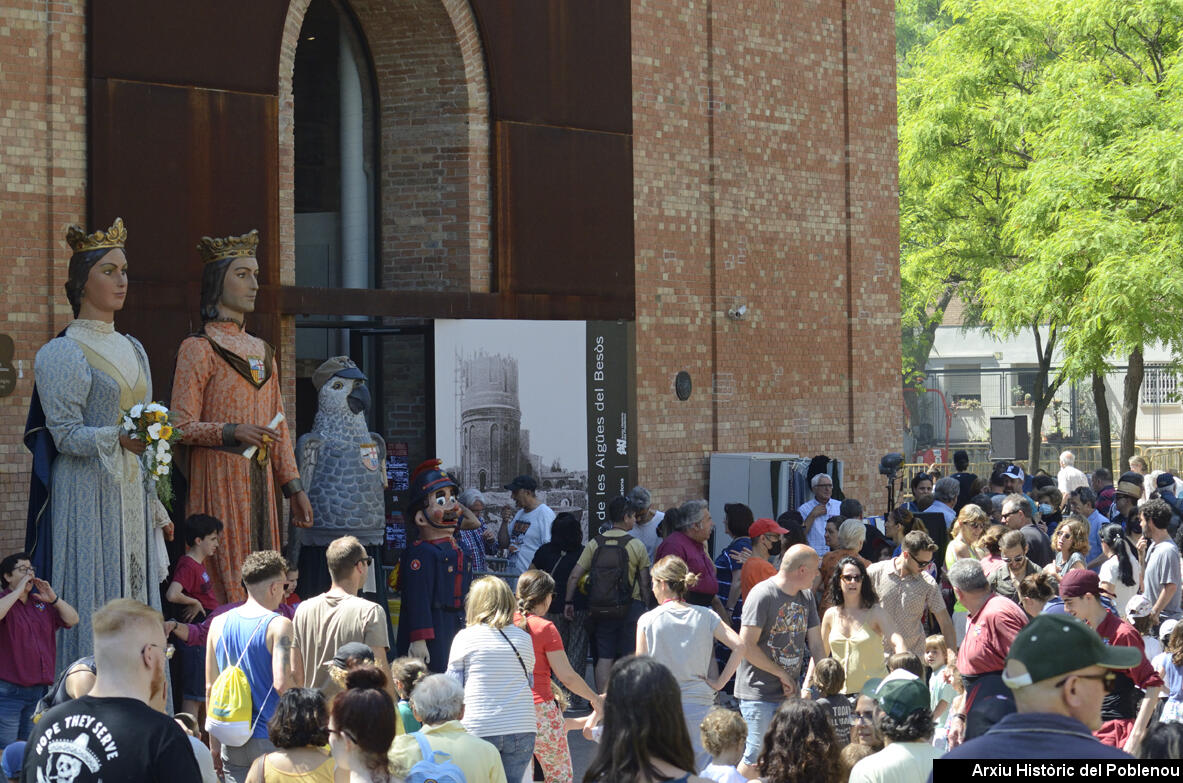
[
  {"x": 966, "y": 118},
  {"x": 917, "y": 22},
  {"x": 1101, "y": 217},
  {"x": 1040, "y": 169}
]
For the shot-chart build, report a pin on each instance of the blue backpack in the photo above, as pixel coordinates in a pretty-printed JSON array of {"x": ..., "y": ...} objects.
[{"x": 431, "y": 769}]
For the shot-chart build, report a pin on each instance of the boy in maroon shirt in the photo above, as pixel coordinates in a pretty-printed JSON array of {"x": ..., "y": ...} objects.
[
  {"x": 192, "y": 592},
  {"x": 1126, "y": 712}
]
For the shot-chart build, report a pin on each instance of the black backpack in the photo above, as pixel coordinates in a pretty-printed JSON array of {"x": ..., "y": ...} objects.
[{"x": 609, "y": 591}]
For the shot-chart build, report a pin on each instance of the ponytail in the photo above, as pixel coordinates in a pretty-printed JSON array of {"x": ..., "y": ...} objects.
[
  {"x": 1115, "y": 537},
  {"x": 673, "y": 571}
]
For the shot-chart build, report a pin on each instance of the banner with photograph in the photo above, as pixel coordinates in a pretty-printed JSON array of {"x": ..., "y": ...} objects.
[{"x": 547, "y": 399}]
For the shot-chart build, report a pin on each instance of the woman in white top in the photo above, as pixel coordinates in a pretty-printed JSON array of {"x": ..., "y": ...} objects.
[
  {"x": 493, "y": 659},
  {"x": 681, "y": 636},
  {"x": 1121, "y": 571}
]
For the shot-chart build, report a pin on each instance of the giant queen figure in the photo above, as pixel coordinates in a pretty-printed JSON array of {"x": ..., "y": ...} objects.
[
  {"x": 94, "y": 525},
  {"x": 226, "y": 396}
]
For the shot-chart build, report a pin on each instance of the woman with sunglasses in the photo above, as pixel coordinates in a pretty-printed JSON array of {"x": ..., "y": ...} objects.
[
  {"x": 853, "y": 629},
  {"x": 967, "y": 529},
  {"x": 1071, "y": 545}
]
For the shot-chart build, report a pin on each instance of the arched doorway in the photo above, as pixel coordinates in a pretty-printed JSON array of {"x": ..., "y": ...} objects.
[{"x": 386, "y": 134}]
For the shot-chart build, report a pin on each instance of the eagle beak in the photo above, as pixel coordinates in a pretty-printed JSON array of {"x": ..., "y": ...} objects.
[{"x": 359, "y": 399}]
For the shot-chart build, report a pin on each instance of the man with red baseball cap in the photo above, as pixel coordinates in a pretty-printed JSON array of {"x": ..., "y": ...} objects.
[
  {"x": 1125, "y": 721},
  {"x": 766, "y": 544}
]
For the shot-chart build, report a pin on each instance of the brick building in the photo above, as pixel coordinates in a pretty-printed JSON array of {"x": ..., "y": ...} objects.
[{"x": 651, "y": 161}]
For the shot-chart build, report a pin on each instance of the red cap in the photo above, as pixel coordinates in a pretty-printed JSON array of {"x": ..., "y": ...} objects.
[
  {"x": 1079, "y": 582},
  {"x": 762, "y": 526}
]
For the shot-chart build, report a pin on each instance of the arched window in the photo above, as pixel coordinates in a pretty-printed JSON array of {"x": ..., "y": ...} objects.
[
  {"x": 495, "y": 449},
  {"x": 335, "y": 153}
]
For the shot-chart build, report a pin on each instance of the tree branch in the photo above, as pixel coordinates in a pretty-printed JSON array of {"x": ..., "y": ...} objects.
[{"x": 1116, "y": 49}]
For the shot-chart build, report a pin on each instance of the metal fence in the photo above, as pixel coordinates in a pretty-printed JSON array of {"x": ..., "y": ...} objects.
[
  {"x": 960, "y": 402},
  {"x": 956, "y": 405}
]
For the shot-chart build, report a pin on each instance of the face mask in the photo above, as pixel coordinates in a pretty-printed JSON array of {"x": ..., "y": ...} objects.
[
  {"x": 774, "y": 550},
  {"x": 1045, "y": 509}
]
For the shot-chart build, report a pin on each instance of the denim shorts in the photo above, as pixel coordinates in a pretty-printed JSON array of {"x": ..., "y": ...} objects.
[
  {"x": 192, "y": 671},
  {"x": 758, "y": 715}
]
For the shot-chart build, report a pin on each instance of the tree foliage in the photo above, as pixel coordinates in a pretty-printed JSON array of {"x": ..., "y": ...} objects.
[{"x": 1041, "y": 176}]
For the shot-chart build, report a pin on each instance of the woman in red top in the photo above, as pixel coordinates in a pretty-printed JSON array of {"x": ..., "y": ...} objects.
[{"x": 535, "y": 590}]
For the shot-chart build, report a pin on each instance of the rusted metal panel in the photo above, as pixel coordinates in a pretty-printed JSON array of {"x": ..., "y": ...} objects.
[
  {"x": 177, "y": 164},
  {"x": 224, "y": 44},
  {"x": 177, "y": 160},
  {"x": 559, "y": 62},
  {"x": 565, "y": 212},
  {"x": 429, "y": 304}
]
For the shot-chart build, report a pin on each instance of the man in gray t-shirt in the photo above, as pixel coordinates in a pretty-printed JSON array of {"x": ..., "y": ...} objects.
[
  {"x": 1161, "y": 579},
  {"x": 779, "y": 624}
]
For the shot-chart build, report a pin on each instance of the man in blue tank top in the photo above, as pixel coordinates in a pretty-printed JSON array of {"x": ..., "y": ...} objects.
[{"x": 262, "y": 638}]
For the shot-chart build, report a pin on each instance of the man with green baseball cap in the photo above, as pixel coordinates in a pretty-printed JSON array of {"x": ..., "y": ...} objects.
[
  {"x": 904, "y": 720},
  {"x": 1060, "y": 671}
]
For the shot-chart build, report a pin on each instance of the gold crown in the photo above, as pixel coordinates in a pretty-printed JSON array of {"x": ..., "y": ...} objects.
[
  {"x": 215, "y": 249},
  {"x": 79, "y": 241}
]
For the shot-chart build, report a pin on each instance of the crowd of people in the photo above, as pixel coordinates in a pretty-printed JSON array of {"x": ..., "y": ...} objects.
[{"x": 1005, "y": 616}]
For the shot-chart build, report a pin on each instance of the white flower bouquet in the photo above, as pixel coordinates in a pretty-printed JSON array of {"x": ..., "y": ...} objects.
[{"x": 152, "y": 423}]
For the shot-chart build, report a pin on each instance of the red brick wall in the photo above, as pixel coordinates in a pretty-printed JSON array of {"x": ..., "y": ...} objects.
[
  {"x": 741, "y": 115},
  {"x": 43, "y": 168},
  {"x": 434, "y": 143},
  {"x": 740, "y": 168}
]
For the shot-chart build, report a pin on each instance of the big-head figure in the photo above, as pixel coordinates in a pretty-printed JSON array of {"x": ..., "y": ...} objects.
[{"x": 433, "y": 573}]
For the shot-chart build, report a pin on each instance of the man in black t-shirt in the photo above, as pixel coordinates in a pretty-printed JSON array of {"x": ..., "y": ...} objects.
[
  {"x": 113, "y": 734},
  {"x": 964, "y": 478}
]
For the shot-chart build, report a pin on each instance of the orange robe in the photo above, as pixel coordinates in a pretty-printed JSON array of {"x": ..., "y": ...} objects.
[{"x": 208, "y": 394}]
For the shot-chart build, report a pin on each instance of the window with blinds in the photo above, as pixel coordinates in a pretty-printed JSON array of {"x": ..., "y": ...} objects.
[
  {"x": 1160, "y": 385},
  {"x": 963, "y": 385}
]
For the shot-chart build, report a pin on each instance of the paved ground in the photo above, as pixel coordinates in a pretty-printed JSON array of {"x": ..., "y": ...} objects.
[{"x": 582, "y": 751}]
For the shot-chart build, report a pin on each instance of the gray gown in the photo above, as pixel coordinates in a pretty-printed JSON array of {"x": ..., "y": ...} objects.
[{"x": 96, "y": 556}]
